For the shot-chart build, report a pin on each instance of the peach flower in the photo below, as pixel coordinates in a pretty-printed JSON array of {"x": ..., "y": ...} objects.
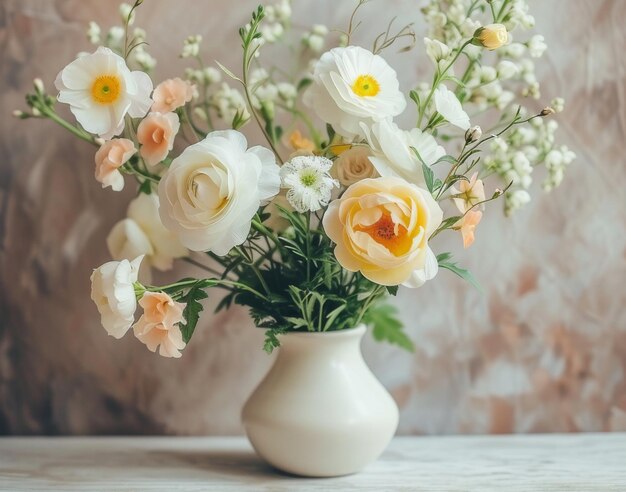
[
  {"x": 171, "y": 94},
  {"x": 299, "y": 142},
  {"x": 354, "y": 165},
  {"x": 158, "y": 326},
  {"x": 467, "y": 226},
  {"x": 471, "y": 193},
  {"x": 109, "y": 157},
  {"x": 381, "y": 228},
  {"x": 156, "y": 135}
]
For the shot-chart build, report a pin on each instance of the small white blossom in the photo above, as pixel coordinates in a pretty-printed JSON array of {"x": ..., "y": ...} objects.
[
  {"x": 308, "y": 182},
  {"x": 507, "y": 69},
  {"x": 436, "y": 50},
  {"x": 115, "y": 37},
  {"x": 191, "y": 46},
  {"x": 558, "y": 104},
  {"x": 125, "y": 10},
  {"x": 537, "y": 46},
  {"x": 211, "y": 75},
  {"x": 93, "y": 33}
]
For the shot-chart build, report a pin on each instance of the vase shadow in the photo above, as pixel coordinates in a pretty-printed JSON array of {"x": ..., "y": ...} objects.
[{"x": 226, "y": 463}]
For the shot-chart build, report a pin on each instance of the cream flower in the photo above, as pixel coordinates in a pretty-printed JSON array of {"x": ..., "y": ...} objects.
[
  {"x": 392, "y": 153},
  {"x": 158, "y": 325},
  {"x": 142, "y": 233},
  {"x": 156, "y": 134},
  {"x": 211, "y": 192},
  {"x": 492, "y": 36},
  {"x": 467, "y": 226},
  {"x": 352, "y": 85},
  {"x": 171, "y": 94},
  {"x": 381, "y": 228},
  {"x": 114, "y": 294},
  {"x": 436, "y": 50},
  {"x": 100, "y": 90},
  {"x": 449, "y": 106},
  {"x": 471, "y": 193},
  {"x": 308, "y": 182},
  {"x": 354, "y": 165},
  {"x": 109, "y": 158}
]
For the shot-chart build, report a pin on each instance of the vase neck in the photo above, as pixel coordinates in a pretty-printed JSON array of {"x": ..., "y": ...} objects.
[{"x": 322, "y": 341}]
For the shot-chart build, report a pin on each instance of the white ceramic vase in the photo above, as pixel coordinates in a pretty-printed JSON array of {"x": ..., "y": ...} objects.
[{"x": 320, "y": 412}]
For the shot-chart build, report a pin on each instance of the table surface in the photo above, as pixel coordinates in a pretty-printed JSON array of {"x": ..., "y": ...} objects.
[{"x": 577, "y": 462}]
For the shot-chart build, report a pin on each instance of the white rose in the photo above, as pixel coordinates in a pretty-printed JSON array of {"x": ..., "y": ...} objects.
[
  {"x": 352, "y": 86},
  {"x": 114, "y": 294},
  {"x": 392, "y": 153},
  {"x": 211, "y": 192},
  {"x": 142, "y": 233}
]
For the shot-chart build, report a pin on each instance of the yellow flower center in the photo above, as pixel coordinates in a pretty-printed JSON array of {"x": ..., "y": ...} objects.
[
  {"x": 383, "y": 231},
  {"x": 106, "y": 89},
  {"x": 366, "y": 86}
]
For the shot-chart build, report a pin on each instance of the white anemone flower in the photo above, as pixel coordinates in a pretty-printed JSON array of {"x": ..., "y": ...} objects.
[
  {"x": 308, "y": 182},
  {"x": 393, "y": 153},
  {"x": 352, "y": 86},
  {"x": 101, "y": 90},
  {"x": 449, "y": 106}
]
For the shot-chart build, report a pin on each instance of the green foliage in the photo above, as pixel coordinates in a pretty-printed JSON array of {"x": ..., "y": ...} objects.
[
  {"x": 387, "y": 327},
  {"x": 193, "y": 309},
  {"x": 445, "y": 261}
]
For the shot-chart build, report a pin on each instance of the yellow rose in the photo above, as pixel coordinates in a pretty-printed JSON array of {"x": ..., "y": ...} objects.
[
  {"x": 354, "y": 165},
  {"x": 492, "y": 36},
  {"x": 381, "y": 228}
]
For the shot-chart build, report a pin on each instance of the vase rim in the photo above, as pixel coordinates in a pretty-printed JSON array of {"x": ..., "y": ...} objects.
[{"x": 357, "y": 330}]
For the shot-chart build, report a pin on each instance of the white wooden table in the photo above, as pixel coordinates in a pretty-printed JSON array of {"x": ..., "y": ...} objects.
[{"x": 534, "y": 463}]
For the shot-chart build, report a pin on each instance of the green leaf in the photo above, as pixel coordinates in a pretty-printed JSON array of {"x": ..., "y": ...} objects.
[
  {"x": 331, "y": 133},
  {"x": 228, "y": 72},
  {"x": 145, "y": 187},
  {"x": 416, "y": 98},
  {"x": 303, "y": 84},
  {"x": 192, "y": 310},
  {"x": 386, "y": 326},
  {"x": 271, "y": 339},
  {"x": 392, "y": 289},
  {"x": 444, "y": 261},
  {"x": 429, "y": 177}
]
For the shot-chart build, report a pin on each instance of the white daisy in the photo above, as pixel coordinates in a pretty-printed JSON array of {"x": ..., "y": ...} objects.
[
  {"x": 100, "y": 90},
  {"x": 352, "y": 85},
  {"x": 449, "y": 106},
  {"x": 308, "y": 182}
]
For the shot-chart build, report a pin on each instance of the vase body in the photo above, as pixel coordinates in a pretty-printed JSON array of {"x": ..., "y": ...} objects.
[{"x": 320, "y": 412}]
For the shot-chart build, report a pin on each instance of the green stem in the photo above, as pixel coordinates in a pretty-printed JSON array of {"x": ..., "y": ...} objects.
[
  {"x": 439, "y": 76},
  {"x": 68, "y": 126}
]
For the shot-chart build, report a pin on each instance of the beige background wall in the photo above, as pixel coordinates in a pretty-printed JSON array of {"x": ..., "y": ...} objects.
[{"x": 543, "y": 350}]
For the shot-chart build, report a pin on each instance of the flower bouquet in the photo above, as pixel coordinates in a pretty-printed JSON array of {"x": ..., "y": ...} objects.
[{"x": 315, "y": 228}]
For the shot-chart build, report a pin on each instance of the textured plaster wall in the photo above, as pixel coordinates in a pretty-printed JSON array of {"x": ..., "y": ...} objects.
[{"x": 543, "y": 350}]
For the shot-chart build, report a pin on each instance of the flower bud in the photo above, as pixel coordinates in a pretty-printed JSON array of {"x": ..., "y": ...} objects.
[
  {"x": 492, "y": 36},
  {"x": 38, "y": 85},
  {"x": 547, "y": 111},
  {"x": 473, "y": 134},
  {"x": 36, "y": 112},
  {"x": 20, "y": 114}
]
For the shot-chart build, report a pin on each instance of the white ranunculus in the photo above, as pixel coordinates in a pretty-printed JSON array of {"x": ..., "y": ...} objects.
[
  {"x": 143, "y": 233},
  {"x": 114, "y": 294},
  {"x": 392, "y": 154},
  {"x": 211, "y": 192},
  {"x": 101, "y": 90},
  {"x": 352, "y": 86},
  {"x": 449, "y": 106}
]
